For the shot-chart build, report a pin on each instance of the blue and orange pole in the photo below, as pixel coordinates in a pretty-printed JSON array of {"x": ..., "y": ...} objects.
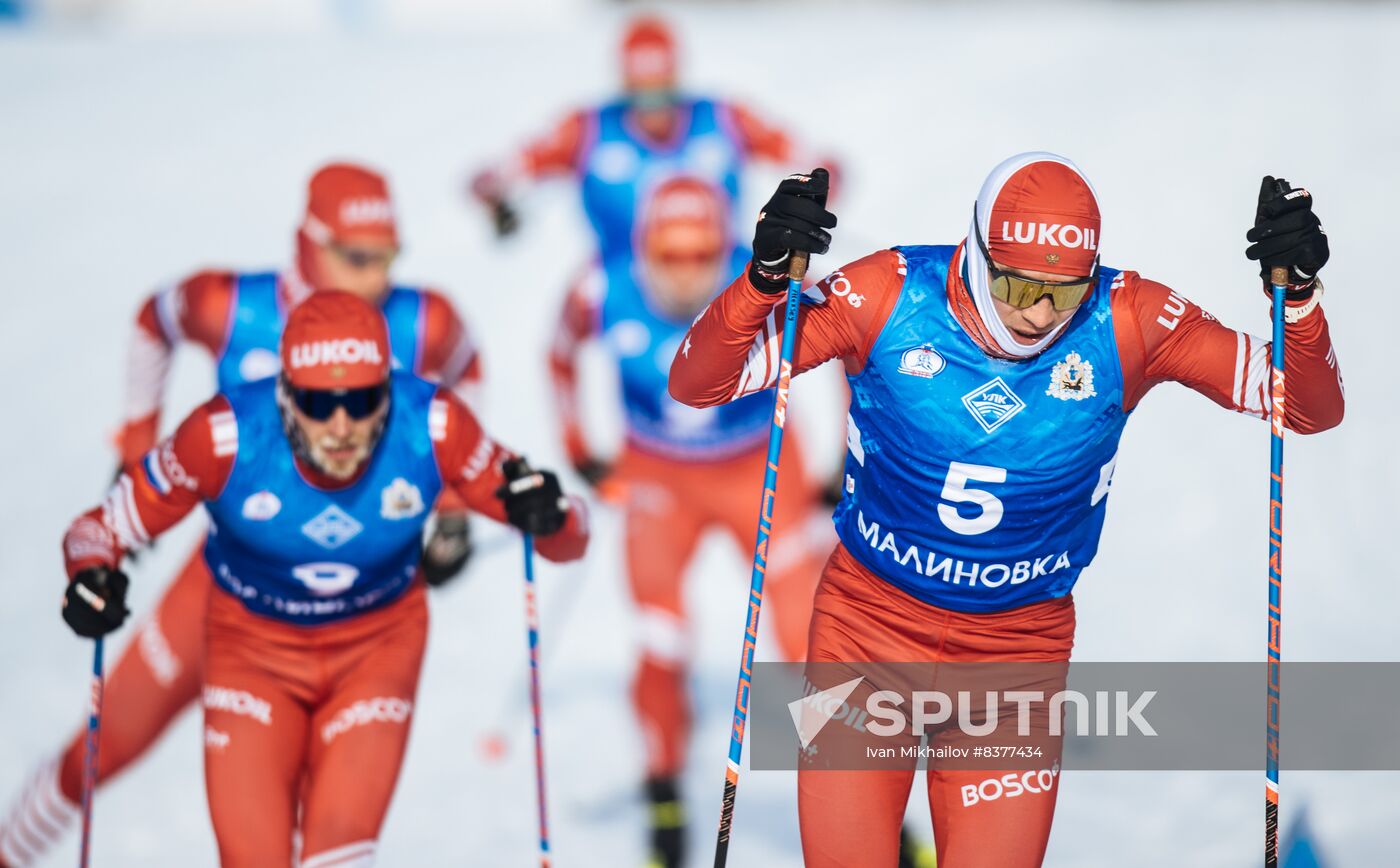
[
  {"x": 797, "y": 270},
  {"x": 1279, "y": 278},
  {"x": 532, "y": 626},
  {"x": 90, "y": 748}
]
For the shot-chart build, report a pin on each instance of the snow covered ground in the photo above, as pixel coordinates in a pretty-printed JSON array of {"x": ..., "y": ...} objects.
[{"x": 132, "y": 153}]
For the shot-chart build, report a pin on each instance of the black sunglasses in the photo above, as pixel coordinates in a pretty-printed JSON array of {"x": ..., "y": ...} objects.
[{"x": 321, "y": 404}]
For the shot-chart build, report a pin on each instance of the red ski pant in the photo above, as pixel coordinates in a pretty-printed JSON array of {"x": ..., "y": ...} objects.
[
  {"x": 157, "y": 675},
  {"x": 305, "y": 730},
  {"x": 669, "y": 506},
  {"x": 853, "y": 817}
]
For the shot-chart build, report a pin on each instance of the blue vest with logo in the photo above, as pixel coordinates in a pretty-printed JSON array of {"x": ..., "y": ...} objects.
[
  {"x": 255, "y": 330},
  {"x": 291, "y": 551},
  {"x": 644, "y": 340},
  {"x": 979, "y": 484},
  {"x": 620, "y": 168}
]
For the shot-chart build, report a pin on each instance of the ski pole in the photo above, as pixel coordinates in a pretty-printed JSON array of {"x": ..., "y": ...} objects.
[
  {"x": 797, "y": 270},
  {"x": 90, "y": 749},
  {"x": 532, "y": 625},
  {"x": 495, "y": 743},
  {"x": 1279, "y": 278}
]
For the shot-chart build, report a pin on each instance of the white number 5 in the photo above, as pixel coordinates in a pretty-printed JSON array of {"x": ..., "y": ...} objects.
[{"x": 955, "y": 490}]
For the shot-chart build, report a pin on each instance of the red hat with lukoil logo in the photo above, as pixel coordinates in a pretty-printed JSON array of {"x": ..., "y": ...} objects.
[
  {"x": 346, "y": 203},
  {"x": 685, "y": 202},
  {"x": 648, "y": 55},
  {"x": 1041, "y": 214},
  {"x": 335, "y": 340}
]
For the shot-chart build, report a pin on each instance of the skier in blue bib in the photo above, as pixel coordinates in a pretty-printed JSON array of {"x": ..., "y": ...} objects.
[
  {"x": 621, "y": 151},
  {"x": 990, "y": 383}
]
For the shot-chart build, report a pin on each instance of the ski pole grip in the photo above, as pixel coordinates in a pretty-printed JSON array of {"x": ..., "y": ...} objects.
[
  {"x": 797, "y": 264},
  {"x": 1279, "y": 275}
]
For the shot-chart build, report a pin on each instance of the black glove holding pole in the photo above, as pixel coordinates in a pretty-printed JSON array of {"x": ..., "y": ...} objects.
[
  {"x": 794, "y": 219},
  {"x": 95, "y": 602},
  {"x": 1287, "y": 234},
  {"x": 533, "y": 500}
]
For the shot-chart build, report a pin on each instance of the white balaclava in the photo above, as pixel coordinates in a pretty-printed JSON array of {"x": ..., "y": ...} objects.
[{"x": 1036, "y": 211}]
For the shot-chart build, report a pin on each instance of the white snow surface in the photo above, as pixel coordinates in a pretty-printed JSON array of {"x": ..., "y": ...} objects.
[{"x": 134, "y": 154}]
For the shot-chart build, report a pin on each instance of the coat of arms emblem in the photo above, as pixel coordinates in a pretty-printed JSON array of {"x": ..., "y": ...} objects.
[{"x": 1072, "y": 379}]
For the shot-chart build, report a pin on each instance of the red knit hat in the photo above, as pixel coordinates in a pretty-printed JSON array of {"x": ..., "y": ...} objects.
[
  {"x": 335, "y": 340},
  {"x": 689, "y": 202},
  {"x": 1040, "y": 215},
  {"x": 346, "y": 203},
  {"x": 648, "y": 55}
]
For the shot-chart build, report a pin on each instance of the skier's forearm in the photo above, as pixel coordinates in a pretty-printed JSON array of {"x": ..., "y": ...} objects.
[
  {"x": 1315, "y": 400},
  {"x": 716, "y": 353},
  {"x": 133, "y": 513},
  {"x": 1164, "y": 337}
]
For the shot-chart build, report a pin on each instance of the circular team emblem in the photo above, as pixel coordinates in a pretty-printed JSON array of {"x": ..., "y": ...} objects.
[
  {"x": 1072, "y": 379},
  {"x": 922, "y": 361},
  {"x": 261, "y": 506}
]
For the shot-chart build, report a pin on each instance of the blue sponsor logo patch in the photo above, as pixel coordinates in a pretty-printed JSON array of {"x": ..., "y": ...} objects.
[{"x": 992, "y": 404}]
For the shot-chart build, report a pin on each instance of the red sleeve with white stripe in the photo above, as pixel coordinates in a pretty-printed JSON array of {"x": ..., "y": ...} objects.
[
  {"x": 470, "y": 462},
  {"x": 1162, "y": 336},
  {"x": 152, "y": 494},
  {"x": 578, "y": 323},
  {"x": 451, "y": 358},
  {"x": 196, "y": 309},
  {"x": 733, "y": 348},
  {"x": 450, "y": 355}
]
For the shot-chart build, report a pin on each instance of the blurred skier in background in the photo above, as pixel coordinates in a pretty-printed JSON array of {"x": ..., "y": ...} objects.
[
  {"x": 681, "y": 471},
  {"x": 317, "y": 484},
  {"x": 620, "y": 151},
  {"x": 348, "y": 240},
  {"x": 991, "y": 383}
]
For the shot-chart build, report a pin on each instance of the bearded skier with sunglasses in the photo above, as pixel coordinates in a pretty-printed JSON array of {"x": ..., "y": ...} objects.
[
  {"x": 681, "y": 472},
  {"x": 990, "y": 384},
  {"x": 317, "y": 484},
  {"x": 347, "y": 240}
]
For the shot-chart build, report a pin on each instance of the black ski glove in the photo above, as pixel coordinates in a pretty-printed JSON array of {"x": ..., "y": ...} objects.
[
  {"x": 504, "y": 219},
  {"x": 1287, "y": 234},
  {"x": 95, "y": 602},
  {"x": 794, "y": 219},
  {"x": 533, "y": 499},
  {"x": 447, "y": 550}
]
